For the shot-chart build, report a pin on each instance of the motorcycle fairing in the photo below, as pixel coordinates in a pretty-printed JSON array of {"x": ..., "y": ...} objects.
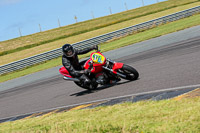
[
  {"x": 98, "y": 58},
  {"x": 117, "y": 66},
  {"x": 64, "y": 72},
  {"x": 96, "y": 67}
]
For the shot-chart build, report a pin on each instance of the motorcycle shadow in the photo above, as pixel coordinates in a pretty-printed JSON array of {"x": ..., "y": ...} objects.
[{"x": 85, "y": 92}]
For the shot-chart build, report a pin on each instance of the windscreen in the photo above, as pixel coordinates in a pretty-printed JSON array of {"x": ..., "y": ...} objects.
[{"x": 98, "y": 58}]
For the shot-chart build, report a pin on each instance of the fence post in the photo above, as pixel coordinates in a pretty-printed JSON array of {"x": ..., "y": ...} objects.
[
  {"x": 110, "y": 10},
  {"x": 59, "y": 22},
  {"x": 20, "y": 33},
  {"x": 142, "y": 2},
  {"x": 75, "y": 18},
  {"x": 92, "y": 14},
  {"x": 40, "y": 28},
  {"x": 126, "y": 6}
]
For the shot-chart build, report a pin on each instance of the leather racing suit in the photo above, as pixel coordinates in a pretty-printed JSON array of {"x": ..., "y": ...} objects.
[{"x": 74, "y": 67}]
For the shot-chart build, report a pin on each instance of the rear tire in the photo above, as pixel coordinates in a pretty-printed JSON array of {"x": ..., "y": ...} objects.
[{"x": 130, "y": 72}]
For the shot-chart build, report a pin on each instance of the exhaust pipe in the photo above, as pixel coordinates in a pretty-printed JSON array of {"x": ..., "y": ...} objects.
[{"x": 71, "y": 79}]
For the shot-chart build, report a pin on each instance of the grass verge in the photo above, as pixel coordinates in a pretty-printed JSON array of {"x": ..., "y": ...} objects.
[
  {"x": 34, "y": 40},
  {"x": 166, "y": 116},
  {"x": 145, "y": 35}
]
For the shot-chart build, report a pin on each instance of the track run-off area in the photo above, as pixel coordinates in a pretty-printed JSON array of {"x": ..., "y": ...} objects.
[{"x": 170, "y": 61}]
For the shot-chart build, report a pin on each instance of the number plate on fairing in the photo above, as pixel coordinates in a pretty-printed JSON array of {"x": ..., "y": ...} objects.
[{"x": 98, "y": 58}]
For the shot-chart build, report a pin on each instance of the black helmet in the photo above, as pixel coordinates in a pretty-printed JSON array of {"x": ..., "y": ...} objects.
[{"x": 68, "y": 50}]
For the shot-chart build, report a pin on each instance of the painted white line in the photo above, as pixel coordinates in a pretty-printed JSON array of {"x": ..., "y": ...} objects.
[{"x": 107, "y": 99}]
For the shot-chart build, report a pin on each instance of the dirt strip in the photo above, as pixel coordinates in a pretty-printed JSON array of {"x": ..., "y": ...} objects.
[{"x": 191, "y": 94}]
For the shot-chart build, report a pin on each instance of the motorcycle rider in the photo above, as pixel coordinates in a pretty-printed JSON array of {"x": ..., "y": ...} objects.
[{"x": 71, "y": 62}]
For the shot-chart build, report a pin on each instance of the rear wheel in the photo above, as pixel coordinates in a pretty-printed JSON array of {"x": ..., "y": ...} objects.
[{"x": 130, "y": 72}]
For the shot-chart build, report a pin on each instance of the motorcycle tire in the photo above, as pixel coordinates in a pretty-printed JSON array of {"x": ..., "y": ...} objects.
[{"x": 130, "y": 72}]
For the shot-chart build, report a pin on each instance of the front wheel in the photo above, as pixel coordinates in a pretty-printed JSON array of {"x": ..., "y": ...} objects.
[{"x": 130, "y": 72}]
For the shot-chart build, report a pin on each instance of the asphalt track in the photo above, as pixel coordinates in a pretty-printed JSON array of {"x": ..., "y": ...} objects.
[{"x": 172, "y": 65}]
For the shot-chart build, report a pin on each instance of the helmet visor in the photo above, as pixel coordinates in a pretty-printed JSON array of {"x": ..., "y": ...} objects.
[{"x": 69, "y": 53}]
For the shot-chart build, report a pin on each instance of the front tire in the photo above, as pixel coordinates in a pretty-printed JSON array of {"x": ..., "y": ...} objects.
[{"x": 130, "y": 72}]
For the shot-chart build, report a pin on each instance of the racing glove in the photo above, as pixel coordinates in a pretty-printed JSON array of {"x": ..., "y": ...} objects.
[{"x": 95, "y": 47}]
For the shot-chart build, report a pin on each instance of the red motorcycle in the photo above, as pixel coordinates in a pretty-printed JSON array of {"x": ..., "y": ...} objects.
[{"x": 100, "y": 65}]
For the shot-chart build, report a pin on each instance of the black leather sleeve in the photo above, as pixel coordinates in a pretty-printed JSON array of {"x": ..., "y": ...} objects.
[
  {"x": 84, "y": 51},
  {"x": 74, "y": 73}
]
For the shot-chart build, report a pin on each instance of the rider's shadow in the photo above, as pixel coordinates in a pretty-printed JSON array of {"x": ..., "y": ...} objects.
[{"x": 85, "y": 92}]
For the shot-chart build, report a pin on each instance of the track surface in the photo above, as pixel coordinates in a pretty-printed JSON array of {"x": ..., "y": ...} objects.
[{"x": 173, "y": 65}]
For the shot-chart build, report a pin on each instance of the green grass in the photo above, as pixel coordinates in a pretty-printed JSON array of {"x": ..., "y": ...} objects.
[
  {"x": 145, "y": 35},
  {"x": 166, "y": 116},
  {"x": 34, "y": 40}
]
